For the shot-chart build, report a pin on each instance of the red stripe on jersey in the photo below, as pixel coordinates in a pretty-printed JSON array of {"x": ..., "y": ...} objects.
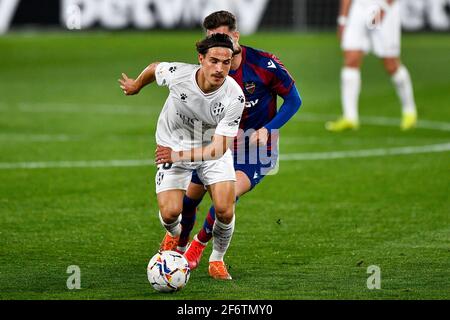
[
  {"x": 237, "y": 75},
  {"x": 263, "y": 74},
  {"x": 279, "y": 87},
  {"x": 272, "y": 108},
  {"x": 275, "y": 58}
]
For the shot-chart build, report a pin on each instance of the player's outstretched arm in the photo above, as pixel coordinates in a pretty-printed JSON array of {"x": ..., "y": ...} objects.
[
  {"x": 212, "y": 151},
  {"x": 291, "y": 104},
  {"x": 133, "y": 86}
]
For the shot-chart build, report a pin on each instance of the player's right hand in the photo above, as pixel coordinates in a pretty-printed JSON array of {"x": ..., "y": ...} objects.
[
  {"x": 128, "y": 85},
  {"x": 164, "y": 155}
]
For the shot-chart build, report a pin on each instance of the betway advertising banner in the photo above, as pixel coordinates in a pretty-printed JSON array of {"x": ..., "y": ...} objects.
[
  {"x": 419, "y": 14},
  {"x": 122, "y": 14},
  {"x": 172, "y": 14}
]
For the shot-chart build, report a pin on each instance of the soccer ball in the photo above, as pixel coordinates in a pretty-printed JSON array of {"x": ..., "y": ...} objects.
[{"x": 168, "y": 271}]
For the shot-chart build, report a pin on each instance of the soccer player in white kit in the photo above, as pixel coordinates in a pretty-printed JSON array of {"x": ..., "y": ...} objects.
[
  {"x": 195, "y": 129},
  {"x": 371, "y": 26}
]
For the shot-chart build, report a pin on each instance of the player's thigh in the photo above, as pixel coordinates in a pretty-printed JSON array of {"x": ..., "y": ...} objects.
[
  {"x": 220, "y": 178},
  {"x": 243, "y": 183},
  {"x": 171, "y": 183},
  {"x": 249, "y": 175},
  {"x": 355, "y": 36},
  {"x": 170, "y": 204},
  {"x": 223, "y": 197},
  {"x": 387, "y": 36},
  {"x": 196, "y": 189},
  {"x": 391, "y": 65},
  {"x": 353, "y": 58}
]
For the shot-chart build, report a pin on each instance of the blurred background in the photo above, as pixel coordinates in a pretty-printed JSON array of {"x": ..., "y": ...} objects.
[
  {"x": 77, "y": 175},
  {"x": 253, "y": 15}
]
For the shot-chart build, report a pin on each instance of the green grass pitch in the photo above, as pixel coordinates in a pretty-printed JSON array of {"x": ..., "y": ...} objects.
[{"x": 308, "y": 232}]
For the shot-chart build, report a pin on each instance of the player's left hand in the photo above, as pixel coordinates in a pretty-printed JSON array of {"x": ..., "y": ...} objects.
[
  {"x": 164, "y": 155},
  {"x": 128, "y": 85},
  {"x": 259, "y": 137}
]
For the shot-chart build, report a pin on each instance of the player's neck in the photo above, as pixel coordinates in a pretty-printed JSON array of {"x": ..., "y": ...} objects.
[{"x": 204, "y": 84}]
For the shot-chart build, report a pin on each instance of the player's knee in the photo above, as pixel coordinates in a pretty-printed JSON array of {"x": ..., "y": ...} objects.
[
  {"x": 391, "y": 65},
  {"x": 170, "y": 211},
  {"x": 224, "y": 212},
  {"x": 351, "y": 64},
  {"x": 352, "y": 60}
]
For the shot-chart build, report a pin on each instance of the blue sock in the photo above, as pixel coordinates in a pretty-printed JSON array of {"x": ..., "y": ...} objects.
[{"x": 188, "y": 217}]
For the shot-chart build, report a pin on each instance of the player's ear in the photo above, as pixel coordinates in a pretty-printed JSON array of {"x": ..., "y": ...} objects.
[
  {"x": 236, "y": 36},
  {"x": 200, "y": 58}
]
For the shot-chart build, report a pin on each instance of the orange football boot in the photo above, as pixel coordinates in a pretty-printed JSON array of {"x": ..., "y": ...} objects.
[
  {"x": 218, "y": 270},
  {"x": 169, "y": 242}
]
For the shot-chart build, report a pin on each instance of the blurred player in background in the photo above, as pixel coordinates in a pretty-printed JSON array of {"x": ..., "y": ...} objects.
[
  {"x": 262, "y": 77},
  {"x": 195, "y": 130},
  {"x": 371, "y": 26}
]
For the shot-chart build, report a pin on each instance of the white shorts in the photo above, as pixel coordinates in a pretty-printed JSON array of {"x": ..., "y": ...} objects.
[
  {"x": 178, "y": 175},
  {"x": 360, "y": 35}
]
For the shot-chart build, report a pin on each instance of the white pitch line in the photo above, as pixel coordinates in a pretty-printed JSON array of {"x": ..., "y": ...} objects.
[
  {"x": 365, "y": 153},
  {"x": 337, "y": 140},
  {"x": 17, "y": 137},
  {"x": 76, "y": 164},
  {"x": 87, "y": 108},
  {"x": 377, "y": 121},
  {"x": 153, "y": 109},
  {"x": 306, "y": 156}
]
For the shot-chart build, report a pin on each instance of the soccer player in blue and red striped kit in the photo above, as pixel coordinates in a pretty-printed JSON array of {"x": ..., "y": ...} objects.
[{"x": 262, "y": 77}]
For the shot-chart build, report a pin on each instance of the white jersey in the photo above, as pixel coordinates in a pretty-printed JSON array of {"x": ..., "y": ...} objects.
[{"x": 191, "y": 117}]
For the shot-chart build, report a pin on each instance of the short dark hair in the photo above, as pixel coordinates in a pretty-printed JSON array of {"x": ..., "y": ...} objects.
[
  {"x": 214, "y": 40},
  {"x": 220, "y": 18}
]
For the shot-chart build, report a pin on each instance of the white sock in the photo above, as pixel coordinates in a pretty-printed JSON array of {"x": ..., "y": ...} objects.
[
  {"x": 403, "y": 86},
  {"x": 222, "y": 234},
  {"x": 350, "y": 89},
  {"x": 173, "y": 228}
]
